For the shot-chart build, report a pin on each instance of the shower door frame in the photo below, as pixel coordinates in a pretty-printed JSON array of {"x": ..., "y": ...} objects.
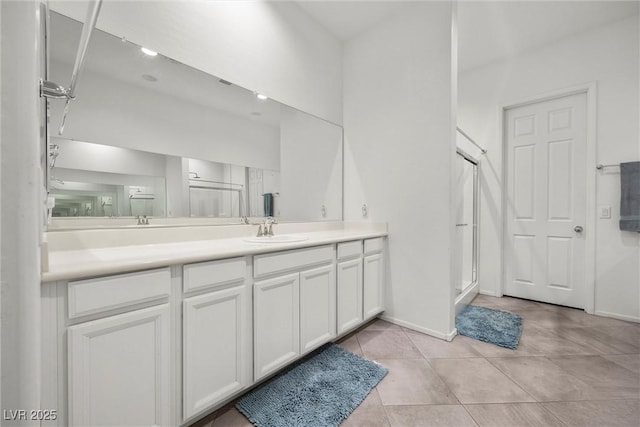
[{"x": 476, "y": 211}]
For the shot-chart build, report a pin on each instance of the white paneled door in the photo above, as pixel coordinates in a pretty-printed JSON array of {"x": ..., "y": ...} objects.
[{"x": 546, "y": 201}]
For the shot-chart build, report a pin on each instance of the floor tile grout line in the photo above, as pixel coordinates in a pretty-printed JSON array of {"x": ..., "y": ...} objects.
[
  {"x": 513, "y": 379},
  {"x": 540, "y": 404},
  {"x": 386, "y": 414},
  {"x": 585, "y": 345},
  {"x": 471, "y": 415}
]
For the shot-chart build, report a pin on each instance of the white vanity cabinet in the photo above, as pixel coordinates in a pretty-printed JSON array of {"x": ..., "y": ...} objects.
[
  {"x": 317, "y": 307},
  {"x": 216, "y": 332},
  {"x": 166, "y": 346},
  {"x": 373, "y": 277},
  {"x": 349, "y": 286},
  {"x": 276, "y": 319},
  {"x": 119, "y": 364},
  {"x": 294, "y": 305}
]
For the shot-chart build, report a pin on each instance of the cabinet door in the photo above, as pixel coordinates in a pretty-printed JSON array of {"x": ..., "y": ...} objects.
[
  {"x": 276, "y": 319},
  {"x": 119, "y": 370},
  {"x": 216, "y": 348},
  {"x": 349, "y": 290},
  {"x": 372, "y": 287},
  {"x": 317, "y": 307}
]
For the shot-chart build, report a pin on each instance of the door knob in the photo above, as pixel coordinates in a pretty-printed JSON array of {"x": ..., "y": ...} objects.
[{"x": 578, "y": 229}]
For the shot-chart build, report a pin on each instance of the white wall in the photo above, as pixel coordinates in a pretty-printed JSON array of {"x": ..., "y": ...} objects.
[
  {"x": 22, "y": 206},
  {"x": 399, "y": 148},
  {"x": 310, "y": 167},
  {"x": 1, "y": 212},
  {"x": 269, "y": 47},
  {"x": 131, "y": 116},
  {"x": 608, "y": 55}
]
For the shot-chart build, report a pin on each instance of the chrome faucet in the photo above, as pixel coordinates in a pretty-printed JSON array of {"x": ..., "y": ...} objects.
[
  {"x": 266, "y": 229},
  {"x": 142, "y": 221},
  {"x": 268, "y": 226}
]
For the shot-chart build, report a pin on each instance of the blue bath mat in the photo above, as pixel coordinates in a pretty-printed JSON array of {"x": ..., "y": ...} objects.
[
  {"x": 321, "y": 391},
  {"x": 497, "y": 327}
]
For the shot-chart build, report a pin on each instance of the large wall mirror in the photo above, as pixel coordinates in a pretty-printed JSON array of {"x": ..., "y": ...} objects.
[{"x": 147, "y": 135}]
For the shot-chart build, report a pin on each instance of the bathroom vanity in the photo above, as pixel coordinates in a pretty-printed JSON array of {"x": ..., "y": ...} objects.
[{"x": 163, "y": 333}]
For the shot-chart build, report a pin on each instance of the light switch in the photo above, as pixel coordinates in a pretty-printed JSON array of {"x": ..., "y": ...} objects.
[{"x": 605, "y": 212}]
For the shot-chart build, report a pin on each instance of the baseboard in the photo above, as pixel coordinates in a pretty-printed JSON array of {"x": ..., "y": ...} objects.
[
  {"x": 488, "y": 293},
  {"x": 618, "y": 316},
  {"x": 443, "y": 336}
]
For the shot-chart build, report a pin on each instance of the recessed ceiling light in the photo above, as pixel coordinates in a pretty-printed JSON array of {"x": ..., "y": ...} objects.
[
  {"x": 149, "y": 78},
  {"x": 148, "y": 51},
  {"x": 261, "y": 96}
]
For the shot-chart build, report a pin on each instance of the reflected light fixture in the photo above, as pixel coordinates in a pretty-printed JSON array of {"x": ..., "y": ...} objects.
[
  {"x": 148, "y": 51},
  {"x": 261, "y": 96}
]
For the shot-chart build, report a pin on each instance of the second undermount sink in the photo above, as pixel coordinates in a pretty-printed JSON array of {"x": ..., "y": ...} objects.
[{"x": 282, "y": 238}]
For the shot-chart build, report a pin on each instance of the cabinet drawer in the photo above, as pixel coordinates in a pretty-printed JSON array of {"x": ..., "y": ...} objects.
[
  {"x": 372, "y": 246},
  {"x": 298, "y": 259},
  {"x": 214, "y": 273},
  {"x": 349, "y": 249},
  {"x": 107, "y": 293}
]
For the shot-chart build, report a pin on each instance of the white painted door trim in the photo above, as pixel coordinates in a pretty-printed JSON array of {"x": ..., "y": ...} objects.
[{"x": 590, "y": 252}]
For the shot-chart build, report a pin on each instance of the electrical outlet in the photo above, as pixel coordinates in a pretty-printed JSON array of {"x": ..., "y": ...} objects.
[{"x": 605, "y": 212}]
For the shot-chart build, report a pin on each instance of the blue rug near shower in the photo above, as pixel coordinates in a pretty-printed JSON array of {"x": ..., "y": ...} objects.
[
  {"x": 485, "y": 324},
  {"x": 322, "y": 390}
]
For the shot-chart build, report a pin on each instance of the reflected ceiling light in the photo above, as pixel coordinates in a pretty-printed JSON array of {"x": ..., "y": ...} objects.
[
  {"x": 148, "y": 51},
  {"x": 261, "y": 96}
]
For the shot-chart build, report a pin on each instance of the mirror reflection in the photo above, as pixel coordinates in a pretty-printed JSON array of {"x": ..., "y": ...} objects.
[{"x": 147, "y": 135}]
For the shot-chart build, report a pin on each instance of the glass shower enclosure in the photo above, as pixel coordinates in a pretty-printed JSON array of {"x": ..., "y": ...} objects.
[{"x": 466, "y": 222}]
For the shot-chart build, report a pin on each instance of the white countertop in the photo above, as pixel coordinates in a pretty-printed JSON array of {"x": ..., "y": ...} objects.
[{"x": 88, "y": 262}]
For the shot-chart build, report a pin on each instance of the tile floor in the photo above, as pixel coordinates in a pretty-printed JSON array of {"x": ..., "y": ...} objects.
[{"x": 570, "y": 368}]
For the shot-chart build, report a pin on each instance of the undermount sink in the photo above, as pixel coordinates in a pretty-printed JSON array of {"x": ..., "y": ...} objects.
[{"x": 283, "y": 238}]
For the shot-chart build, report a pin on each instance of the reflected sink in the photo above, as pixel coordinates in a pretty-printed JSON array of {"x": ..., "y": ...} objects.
[{"x": 283, "y": 238}]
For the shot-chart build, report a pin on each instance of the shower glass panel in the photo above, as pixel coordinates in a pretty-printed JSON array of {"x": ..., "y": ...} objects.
[{"x": 466, "y": 222}]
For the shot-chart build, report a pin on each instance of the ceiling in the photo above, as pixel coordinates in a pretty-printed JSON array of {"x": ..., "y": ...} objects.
[
  {"x": 487, "y": 30},
  {"x": 347, "y": 19}
]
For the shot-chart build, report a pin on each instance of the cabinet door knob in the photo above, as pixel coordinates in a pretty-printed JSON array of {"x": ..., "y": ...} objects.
[{"x": 578, "y": 229}]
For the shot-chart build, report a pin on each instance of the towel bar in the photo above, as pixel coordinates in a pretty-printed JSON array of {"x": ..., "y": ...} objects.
[{"x": 601, "y": 166}]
